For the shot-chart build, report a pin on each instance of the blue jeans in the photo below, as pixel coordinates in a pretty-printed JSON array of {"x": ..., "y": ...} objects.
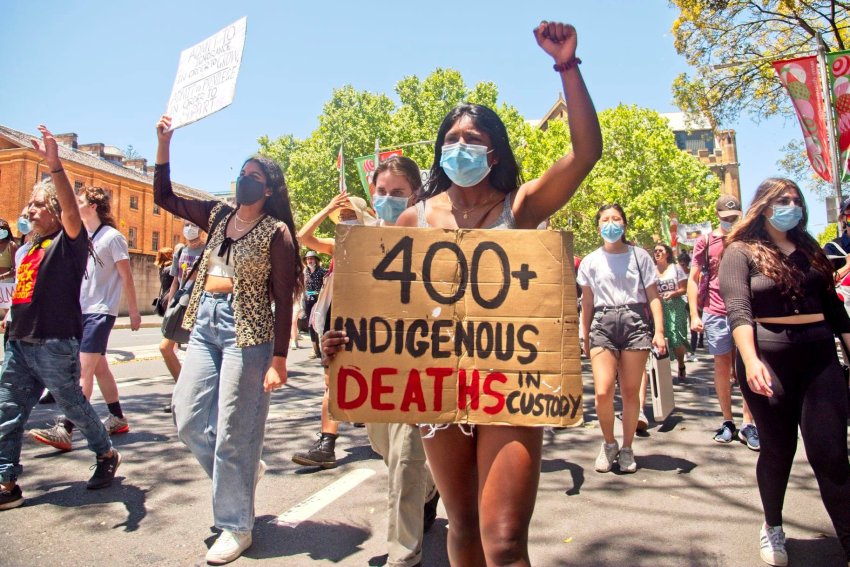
[
  {"x": 27, "y": 369},
  {"x": 220, "y": 410}
]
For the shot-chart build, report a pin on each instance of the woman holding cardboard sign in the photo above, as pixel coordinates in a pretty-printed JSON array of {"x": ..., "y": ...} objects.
[
  {"x": 617, "y": 282},
  {"x": 488, "y": 477},
  {"x": 238, "y": 346}
]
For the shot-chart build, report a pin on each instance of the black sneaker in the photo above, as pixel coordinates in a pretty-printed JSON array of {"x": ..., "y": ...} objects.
[
  {"x": 11, "y": 498},
  {"x": 430, "y": 512},
  {"x": 47, "y": 398},
  {"x": 104, "y": 471}
]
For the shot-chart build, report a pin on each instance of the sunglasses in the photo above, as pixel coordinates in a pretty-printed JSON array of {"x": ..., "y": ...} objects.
[{"x": 658, "y": 252}]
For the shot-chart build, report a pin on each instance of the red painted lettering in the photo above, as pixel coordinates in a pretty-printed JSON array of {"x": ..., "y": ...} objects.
[
  {"x": 413, "y": 392},
  {"x": 467, "y": 390},
  {"x": 438, "y": 374},
  {"x": 342, "y": 381},
  {"x": 499, "y": 397},
  {"x": 378, "y": 388}
]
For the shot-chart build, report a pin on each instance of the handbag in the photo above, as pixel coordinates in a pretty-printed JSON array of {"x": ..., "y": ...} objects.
[
  {"x": 704, "y": 276},
  {"x": 172, "y": 322}
]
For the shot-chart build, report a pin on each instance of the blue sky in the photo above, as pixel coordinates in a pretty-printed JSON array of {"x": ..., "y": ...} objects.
[{"x": 105, "y": 70}]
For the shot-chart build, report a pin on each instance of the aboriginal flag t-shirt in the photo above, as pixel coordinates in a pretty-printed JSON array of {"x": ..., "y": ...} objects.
[{"x": 46, "y": 301}]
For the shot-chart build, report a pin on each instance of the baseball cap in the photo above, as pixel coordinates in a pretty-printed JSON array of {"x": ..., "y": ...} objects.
[{"x": 728, "y": 206}]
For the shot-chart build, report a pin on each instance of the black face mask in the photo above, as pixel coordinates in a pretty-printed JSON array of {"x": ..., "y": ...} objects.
[{"x": 249, "y": 190}]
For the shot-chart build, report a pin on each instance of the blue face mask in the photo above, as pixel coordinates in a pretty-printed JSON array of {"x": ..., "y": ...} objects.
[
  {"x": 785, "y": 217},
  {"x": 726, "y": 226},
  {"x": 612, "y": 232},
  {"x": 388, "y": 207},
  {"x": 4, "y": 234},
  {"x": 24, "y": 225},
  {"x": 465, "y": 164}
]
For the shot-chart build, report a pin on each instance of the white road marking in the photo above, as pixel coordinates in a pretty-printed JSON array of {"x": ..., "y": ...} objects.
[{"x": 305, "y": 509}]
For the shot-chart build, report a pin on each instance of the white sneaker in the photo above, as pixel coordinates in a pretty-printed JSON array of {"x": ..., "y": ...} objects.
[
  {"x": 626, "y": 460},
  {"x": 261, "y": 471},
  {"x": 773, "y": 546},
  {"x": 228, "y": 547},
  {"x": 606, "y": 457}
]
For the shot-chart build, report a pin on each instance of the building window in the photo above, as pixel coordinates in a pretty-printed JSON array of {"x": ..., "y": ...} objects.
[
  {"x": 155, "y": 241},
  {"x": 45, "y": 176},
  {"x": 131, "y": 240},
  {"x": 134, "y": 203},
  {"x": 77, "y": 186},
  {"x": 175, "y": 241},
  {"x": 156, "y": 209}
]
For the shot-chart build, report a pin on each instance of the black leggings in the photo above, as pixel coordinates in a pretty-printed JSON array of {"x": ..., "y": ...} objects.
[{"x": 808, "y": 390}]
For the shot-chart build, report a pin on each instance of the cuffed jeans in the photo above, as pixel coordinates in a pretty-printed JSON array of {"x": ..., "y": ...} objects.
[
  {"x": 28, "y": 368},
  {"x": 410, "y": 486},
  {"x": 220, "y": 410}
]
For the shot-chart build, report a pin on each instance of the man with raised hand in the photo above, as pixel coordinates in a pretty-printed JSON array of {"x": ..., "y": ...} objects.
[{"x": 45, "y": 329}]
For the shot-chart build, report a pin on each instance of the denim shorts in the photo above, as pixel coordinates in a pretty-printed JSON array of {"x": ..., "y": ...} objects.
[
  {"x": 96, "y": 329},
  {"x": 717, "y": 333},
  {"x": 624, "y": 327}
]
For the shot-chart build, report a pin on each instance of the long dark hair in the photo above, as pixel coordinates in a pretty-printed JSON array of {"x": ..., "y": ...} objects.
[
  {"x": 277, "y": 205},
  {"x": 504, "y": 176},
  {"x": 619, "y": 209},
  {"x": 769, "y": 259}
]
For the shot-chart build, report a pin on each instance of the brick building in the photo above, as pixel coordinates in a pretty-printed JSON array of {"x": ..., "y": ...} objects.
[
  {"x": 129, "y": 182},
  {"x": 716, "y": 149}
]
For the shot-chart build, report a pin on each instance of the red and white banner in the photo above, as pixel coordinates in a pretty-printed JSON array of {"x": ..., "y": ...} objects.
[{"x": 800, "y": 78}]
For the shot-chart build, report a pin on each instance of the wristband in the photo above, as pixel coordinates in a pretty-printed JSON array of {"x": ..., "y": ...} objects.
[
  {"x": 567, "y": 65},
  {"x": 61, "y": 169}
]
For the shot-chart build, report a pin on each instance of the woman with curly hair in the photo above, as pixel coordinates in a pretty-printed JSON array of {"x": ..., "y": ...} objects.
[{"x": 784, "y": 314}]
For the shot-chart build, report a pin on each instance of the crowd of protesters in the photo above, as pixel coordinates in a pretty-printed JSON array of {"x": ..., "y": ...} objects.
[{"x": 757, "y": 287}]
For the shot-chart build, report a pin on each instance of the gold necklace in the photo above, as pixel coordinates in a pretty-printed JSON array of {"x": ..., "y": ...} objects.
[
  {"x": 467, "y": 211},
  {"x": 246, "y": 223}
]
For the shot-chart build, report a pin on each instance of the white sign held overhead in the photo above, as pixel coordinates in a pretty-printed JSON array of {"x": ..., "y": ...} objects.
[{"x": 206, "y": 75}]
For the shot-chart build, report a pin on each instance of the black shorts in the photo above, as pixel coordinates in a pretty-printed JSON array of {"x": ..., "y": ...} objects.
[
  {"x": 96, "y": 329},
  {"x": 624, "y": 327}
]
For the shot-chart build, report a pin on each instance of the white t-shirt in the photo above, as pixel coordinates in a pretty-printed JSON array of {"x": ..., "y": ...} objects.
[
  {"x": 669, "y": 280},
  {"x": 614, "y": 278},
  {"x": 101, "y": 289}
]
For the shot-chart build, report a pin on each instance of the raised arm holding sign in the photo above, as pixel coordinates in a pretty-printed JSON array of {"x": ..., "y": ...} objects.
[
  {"x": 206, "y": 76},
  {"x": 487, "y": 476}
]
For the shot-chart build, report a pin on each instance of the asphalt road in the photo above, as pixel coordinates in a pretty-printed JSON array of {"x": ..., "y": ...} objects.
[{"x": 692, "y": 501}]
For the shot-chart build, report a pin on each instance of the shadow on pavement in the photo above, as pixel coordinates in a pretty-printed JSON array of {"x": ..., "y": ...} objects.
[
  {"x": 75, "y": 494},
  {"x": 318, "y": 540}
]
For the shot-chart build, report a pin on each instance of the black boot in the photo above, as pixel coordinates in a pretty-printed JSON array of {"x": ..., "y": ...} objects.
[
  {"x": 430, "y": 512},
  {"x": 321, "y": 455}
]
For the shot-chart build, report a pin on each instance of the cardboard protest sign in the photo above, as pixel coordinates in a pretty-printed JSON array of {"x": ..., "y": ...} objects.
[
  {"x": 6, "y": 291},
  {"x": 466, "y": 326},
  {"x": 206, "y": 75}
]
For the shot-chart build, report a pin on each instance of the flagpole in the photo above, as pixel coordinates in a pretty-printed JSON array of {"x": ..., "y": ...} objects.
[{"x": 834, "y": 154}]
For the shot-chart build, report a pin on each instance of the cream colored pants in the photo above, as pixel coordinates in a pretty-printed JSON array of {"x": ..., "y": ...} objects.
[{"x": 410, "y": 486}]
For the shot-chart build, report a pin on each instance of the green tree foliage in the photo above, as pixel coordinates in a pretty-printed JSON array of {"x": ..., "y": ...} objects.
[
  {"x": 641, "y": 168},
  {"x": 356, "y": 118},
  {"x": 828, "y": 233},
  {"x": 717, "y": 32}
]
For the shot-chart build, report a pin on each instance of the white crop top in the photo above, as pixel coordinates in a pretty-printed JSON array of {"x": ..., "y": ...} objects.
[{"x": 220, "y": 262}]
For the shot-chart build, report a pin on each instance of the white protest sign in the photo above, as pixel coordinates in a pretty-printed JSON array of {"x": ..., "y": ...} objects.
[
  {"x": 6, "y": 291},
  {"x": 206, "y": 75}
]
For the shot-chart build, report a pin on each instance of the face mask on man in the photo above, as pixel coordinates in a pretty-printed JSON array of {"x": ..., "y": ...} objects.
[
  {"x": 389, "y": 208},
  {"x": 612, "y": 232},
  {"x": 465, "y": 164},
  {"x": 191, "y": 232},
  {"x": 785, "y": 217},
  {"x": 24, "y": 225},
  {"x": 726, "y": 226},
  {"x": 249, "y": 190}
]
